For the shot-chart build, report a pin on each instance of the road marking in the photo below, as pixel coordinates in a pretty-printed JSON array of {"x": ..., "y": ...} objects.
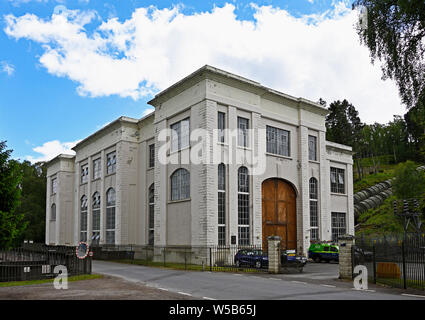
[
  {"x": 299, "y": 282},
  {"x": 206, "y": 298},
  {"x": 367, "y": 290},
  {"x": 328, "y": 285},
  {"x": 413, "y": 295},
  {"x": 236, "y": 274},
  {"x": 163, "y": 289},
  {"x": 184, "y": 293},
  {"x": 273, "y": 278}
]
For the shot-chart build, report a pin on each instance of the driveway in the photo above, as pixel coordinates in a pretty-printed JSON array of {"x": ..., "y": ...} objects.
[{"x": 318, "y": 283}]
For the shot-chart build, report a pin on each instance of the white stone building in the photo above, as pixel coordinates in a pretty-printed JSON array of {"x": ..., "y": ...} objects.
[{"x": 116, "y": 189}]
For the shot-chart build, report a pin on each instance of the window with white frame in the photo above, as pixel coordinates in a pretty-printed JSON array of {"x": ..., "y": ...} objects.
[
  {"x": 243, "y": 207},
  {"x": 96, "y": 218},
  {"x": 337, "y": 180},
  {"x": 314, "y": 210},
  {"x": 221, "y": 204},
  {"x": 84, "y": 173},
  {"x": 221, "y": 124},
  {"x": 53, "y": 212},
  {"x": 151, "y": 155},
  {"x": 110, "y": 216},
  {"x": 83, "y": 219},
  {"x": 339, "y": 225},
  {"x": 151, "y": 222},
  {"x": 312, "y": 148},
  {"x": 180, "y": 135},
  {"x": 54, "y": 185},
  {"x": 111, "y": 162},
  {"x": 243, "y": 126},
  {"x": 180, "y": 184},
  {"x": 97, "y": 169},
  {"x": 277, "y": 141}
]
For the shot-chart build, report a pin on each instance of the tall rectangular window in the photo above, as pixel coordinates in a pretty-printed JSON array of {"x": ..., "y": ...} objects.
[
  {"x": 111, "y": 162},
  {"x": 180, "y": 135},
  {"x": 54, "y": 185},
  {"x": 221, "y": 119},
  {"x": 312, "y": 148},
  {"x": 84, "y": 173},
  {"x": 97, "y": 169},
  {"x": 339, "y": 225},
  {"x": 243, "y": 207},
  {"x": 243, "y": 126},
  {"x": 314, "y": 210},
  {"x": 337, "y": 180},
  {"x": 151, "y": 156},
  {"x": 221, "y": 204},
  {"x": 278, "y": 141}
]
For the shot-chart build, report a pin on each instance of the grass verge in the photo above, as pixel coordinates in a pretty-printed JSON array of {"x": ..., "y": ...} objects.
[{"x": 32, "y": 282}]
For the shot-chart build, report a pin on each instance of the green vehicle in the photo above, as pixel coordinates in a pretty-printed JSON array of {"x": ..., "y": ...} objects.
[{"x": 323, "y": 252}]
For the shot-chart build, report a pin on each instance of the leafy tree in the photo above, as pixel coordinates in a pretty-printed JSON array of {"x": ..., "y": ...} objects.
[
  {"x": 408, "y": 181},
  {"x": 11, "y": 223},
  {"x": 395, "y": 34},
  {"x": 33, "y": 201}
]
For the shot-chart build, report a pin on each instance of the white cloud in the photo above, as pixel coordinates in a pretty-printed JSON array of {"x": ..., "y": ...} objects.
[
  {"x": 7, "y": 68},
  {"x": 51, "y": 149},
  {"x": 147, "y": 111},
  {"x": 312, "y": 56}
]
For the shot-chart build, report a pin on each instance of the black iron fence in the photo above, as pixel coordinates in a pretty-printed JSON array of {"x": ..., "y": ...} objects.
[
  {"x": 212, "y": 258},
  {"x": 397, "y": 261},
  {"x": 37, "y": 262}
]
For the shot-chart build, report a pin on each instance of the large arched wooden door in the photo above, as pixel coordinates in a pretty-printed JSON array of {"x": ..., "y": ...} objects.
[{"x": 279, "y": 212}]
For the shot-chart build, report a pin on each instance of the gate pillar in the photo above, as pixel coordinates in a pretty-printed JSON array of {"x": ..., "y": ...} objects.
[{"x": 274, "y": 253}]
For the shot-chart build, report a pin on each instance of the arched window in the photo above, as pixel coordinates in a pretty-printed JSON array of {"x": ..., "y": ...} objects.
[
  {"x": 221, "y": 204},
  {"x": 243, "y": 206},
  {"x": 151, "y": 228},
  {"x": 314, "y": 210},
  {"x": 180, "y": 184},
  {"x": 53, "y": 213},
  {"x": 83, "y": 219},
  {"x": 110, "y": 216},
  {"x": 96, "y": 218}
]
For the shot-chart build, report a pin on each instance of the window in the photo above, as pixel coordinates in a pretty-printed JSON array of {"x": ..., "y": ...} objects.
[
  {"x": 277, "y": 141},
  {"x": 97, "y": 169},
  {"x": 180, "y": 135},
  {"x": 221, "y": 204},
  {"x": 337, "y": 180},
  {"x": 110, "y": 216},
  {"x": 151, "y": 222},
  {"x": 96, "y": 218},
  {"x": 243, "y": 126},
  {"x": 111, "y": 162},
  {"x": 180, "y": 184},
  {"x": 54, "y": 185},
  {"x": 151, "y": 156},
  {"x": 243, "y": 206},
  {"x": 312, "y": 148},
  {"x": 53, "y": 213},
  {"x": 221, "y": 119},
  {"x": 84, "y": 173},
  {"x": 83, "y": 219},
  {"x": 339, "y": 226},
  {"x": 314, "y": 216}
]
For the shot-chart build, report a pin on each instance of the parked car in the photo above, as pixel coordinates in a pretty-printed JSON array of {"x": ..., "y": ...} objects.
[
  {"x": 258, "y": 259},
  {"x": 323, "y": 252}
]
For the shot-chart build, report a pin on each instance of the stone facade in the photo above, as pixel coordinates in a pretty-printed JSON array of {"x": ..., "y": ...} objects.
[{"x": 193, "y": 221}]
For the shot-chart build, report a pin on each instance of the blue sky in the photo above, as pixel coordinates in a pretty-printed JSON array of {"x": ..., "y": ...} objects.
[{"x": 69, "y": 67}]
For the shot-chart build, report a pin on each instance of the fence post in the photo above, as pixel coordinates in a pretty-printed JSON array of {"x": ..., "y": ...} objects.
[
  {"x": 374, "y": 263},
  {"x": 210, "y": 259},
  {"x": 403, "y": 256},
  {"x": 185, "y": 265},
  {"x": 164, "y": 256}
]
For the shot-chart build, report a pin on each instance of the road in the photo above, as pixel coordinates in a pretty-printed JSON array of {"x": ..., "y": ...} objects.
[{"x": 229, "y": 286}]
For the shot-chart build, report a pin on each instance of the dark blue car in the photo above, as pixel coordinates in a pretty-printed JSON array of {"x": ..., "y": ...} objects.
[{"x": 251, "y": 258}]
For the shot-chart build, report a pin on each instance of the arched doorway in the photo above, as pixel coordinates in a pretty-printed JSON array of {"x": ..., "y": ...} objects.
[{"x": 279, "y": 212}]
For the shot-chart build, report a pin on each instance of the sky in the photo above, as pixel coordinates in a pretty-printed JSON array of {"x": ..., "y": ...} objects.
[{"x": 70, "y": 67}]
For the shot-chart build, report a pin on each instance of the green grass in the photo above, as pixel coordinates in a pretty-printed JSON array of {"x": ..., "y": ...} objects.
[
  {"x": 32, "y": 282},
  {"x": 370, "y": 180},
  {"x": 410, "y": 284}
]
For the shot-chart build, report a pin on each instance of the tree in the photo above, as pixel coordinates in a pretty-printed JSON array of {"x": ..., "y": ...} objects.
[
  {"x": 33, "y": 201},
  {"x": 395, "y": 35},
  {"x": 408, "y": 181},
  {"x": 11, "y": 223}
]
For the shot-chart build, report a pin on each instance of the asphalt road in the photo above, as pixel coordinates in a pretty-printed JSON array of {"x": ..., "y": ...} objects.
[{"x": 229, "y": 286}]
